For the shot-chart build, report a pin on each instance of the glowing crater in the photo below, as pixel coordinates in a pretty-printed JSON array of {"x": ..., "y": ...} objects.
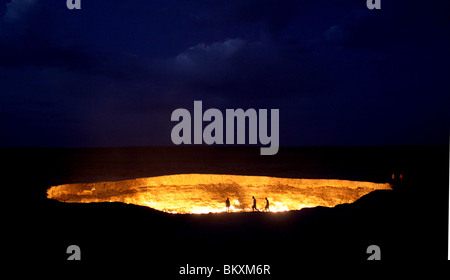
[{"x": 206, "y": 193}]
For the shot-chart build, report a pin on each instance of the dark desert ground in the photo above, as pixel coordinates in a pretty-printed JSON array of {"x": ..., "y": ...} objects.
[{"x": 407, "y": 223}]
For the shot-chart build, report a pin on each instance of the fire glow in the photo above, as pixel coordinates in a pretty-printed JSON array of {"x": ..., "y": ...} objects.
[{"x": 206, "y": 193}]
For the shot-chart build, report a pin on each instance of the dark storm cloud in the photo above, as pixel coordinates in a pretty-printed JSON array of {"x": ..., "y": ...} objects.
[
  {"x": 112, "y": 73},
  {"x": 239, "y": 70},
  {"x": 18, "y": 10},
  {"x": 275, "y": 15},
  {"x": 26, "y": 39},
  {"x": 402, "y": 23}
]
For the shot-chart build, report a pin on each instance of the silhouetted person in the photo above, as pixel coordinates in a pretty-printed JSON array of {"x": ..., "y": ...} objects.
[
  {"x": 254, "y": 204},
  {"x": 267, "y": 204},
  {"x": 227, "y": 204}
]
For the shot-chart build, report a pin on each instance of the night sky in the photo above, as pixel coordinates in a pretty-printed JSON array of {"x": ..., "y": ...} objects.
[{"x": 111, "y": 73}]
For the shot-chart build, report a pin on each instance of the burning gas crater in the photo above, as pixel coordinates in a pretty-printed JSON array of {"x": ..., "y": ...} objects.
[{"x": 206, "y": 193}]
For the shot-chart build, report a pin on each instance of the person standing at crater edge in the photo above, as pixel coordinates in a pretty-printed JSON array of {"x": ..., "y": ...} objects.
[
  {"x": 267, "y": 205},
  {"x": 254, "y": 204}
]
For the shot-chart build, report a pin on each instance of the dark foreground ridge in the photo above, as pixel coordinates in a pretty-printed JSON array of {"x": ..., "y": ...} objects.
[
  {"x": 116, "y": 232},
  {"x": 407, "y": 223}
]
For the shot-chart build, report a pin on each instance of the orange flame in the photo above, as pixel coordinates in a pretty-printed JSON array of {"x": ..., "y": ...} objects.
[{"x": 206, "y": 193}]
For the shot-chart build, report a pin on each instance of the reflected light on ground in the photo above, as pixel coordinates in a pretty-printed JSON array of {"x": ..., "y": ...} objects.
[{"x": 206, "y": 193}]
